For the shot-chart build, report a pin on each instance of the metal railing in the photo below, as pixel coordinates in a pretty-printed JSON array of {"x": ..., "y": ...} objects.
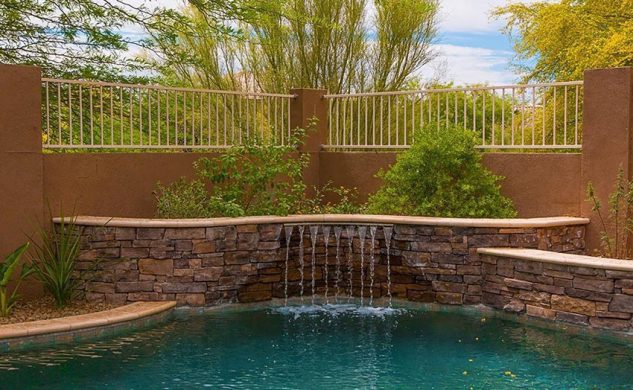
[
  {"x": 531, "y": 116},
  {"x": 97, "y": 115}
]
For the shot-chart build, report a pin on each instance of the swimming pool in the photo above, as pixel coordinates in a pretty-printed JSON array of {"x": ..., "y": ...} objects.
[{"x": 325, "y": 347}]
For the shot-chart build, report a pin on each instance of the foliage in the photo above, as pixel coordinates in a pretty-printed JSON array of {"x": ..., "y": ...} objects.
[
  {"x": 90, "y": 39},
  {"x": 617, "y": 225},
  {"x": 304, "y": 43},
  {"x": 248, "y": 179},
  {"x": 55, "y": 254},
  {"x": 347, "y": 201},
  {"x": 440, "y": 175},
  {"x": 560, "y": 40},
  {"x": 8, "y": 299}
]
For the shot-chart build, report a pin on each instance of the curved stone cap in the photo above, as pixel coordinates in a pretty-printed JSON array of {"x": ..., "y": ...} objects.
[
  {"x": 117, "y": 315},
  {"x": 559, "y": 258},
  {"x": 330, "y": 218}
]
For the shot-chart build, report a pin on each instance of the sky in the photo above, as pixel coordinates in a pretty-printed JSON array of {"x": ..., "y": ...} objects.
[{"x": 471, "y": 48}]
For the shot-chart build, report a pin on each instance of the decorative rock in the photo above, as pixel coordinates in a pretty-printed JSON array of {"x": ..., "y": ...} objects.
[
  {"x": 156, "y": 267},
  {"x": 573, "y": 305}
]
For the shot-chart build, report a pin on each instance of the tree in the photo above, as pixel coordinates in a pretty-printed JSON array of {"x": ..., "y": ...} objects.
[
  {"x": 87, "y": 38},
  {"x": 306, "y": 43},
  {"x": 558, "y": 41}
]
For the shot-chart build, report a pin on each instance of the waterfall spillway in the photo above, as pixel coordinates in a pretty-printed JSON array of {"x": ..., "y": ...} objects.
[
  {"x": 388, "y": 232},
  {"x": 337, "y": 235},
  {"x": 314, "y": 230},
  {"x": 341, "y": 279},
  {"x": 326, "y": 241},
  {"x": 301, "y": 260},
  {"x": 362, "y": 233},
  {"x": 372, "y": 263},
  {"x": 350, "y": 260},
  {"x": 288, "y": 232}
]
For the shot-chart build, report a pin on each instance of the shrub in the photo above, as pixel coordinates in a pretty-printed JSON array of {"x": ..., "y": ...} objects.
[
  {"x": 9, "y": 298},
  {"x": 617, "y": 225},
  {"x": 249, "y": 179},
  {"x": 441, "y": 175},
  {"x": 347, "y": 202},
  {"x": 54, "y": 259}
]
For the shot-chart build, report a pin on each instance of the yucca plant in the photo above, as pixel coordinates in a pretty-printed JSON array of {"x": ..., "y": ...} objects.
[
  {"x": 9, "y": 298},
  {"x": 54, "y": 258}
]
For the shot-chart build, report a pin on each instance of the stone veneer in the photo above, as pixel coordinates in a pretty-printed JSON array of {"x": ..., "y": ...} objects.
[
  {"x": 576, "y": 289},
  {"x": 216, "y": 261}
]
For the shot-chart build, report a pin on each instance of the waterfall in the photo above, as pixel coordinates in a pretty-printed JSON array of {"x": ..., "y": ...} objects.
[
  {"x": 362, "y": 232},
  {"x": 337, "y": 234},
  {"x": 336, "y": 280},
  {"x": 301, "y": 229},
  {"x": 388, "y": 232},
  {"x": 372, "y": 261},
  {"x": 350, "y": 260},
  {"x": 288, "y": 231},
  {"x": 326, "y": 240},
  {"x": 314, "y": 230}
]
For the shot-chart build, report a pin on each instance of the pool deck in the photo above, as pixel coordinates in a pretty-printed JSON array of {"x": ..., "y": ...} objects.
[{"x": 119, "y": 315}]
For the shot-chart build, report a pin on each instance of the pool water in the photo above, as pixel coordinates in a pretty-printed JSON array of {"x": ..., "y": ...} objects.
[{"x": 338, "y": 348}]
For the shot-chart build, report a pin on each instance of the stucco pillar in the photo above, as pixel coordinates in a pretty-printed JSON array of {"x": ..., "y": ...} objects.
[
  {"x": 308, "y": 111},
  {"x": 607, "y": 137},
  {"x": 21, "y": 167}
]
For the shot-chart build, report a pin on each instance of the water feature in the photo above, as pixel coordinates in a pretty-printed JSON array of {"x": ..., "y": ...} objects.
[
  {"x": 366, "y": 273},
  {"x": 314, "y": 230},
  {"x": 301, "y": 260},
  {"x": 288, "y": 232},
  {"x": 326, "y": 241},
  {"x": 350, "y": 261},
  {"x": 264, "y": 348},
  {"x": 337, "y": 235}
]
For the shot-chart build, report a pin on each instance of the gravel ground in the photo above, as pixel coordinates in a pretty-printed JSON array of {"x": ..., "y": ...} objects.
[{"x": 44, "y": 309}]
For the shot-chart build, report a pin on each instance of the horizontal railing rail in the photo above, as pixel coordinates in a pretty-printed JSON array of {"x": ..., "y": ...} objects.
[
  {"x": 518, "y": 116},
  {"x": 100, "y": 115}
]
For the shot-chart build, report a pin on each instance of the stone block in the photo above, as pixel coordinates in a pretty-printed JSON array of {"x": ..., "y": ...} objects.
[
  {"x": 593, "y": 284},
  {"x": 203, "y": 246},
  {"x": 124, "y": 233},
  {"x": 449, "y": 287},
  {"x": 541, "y": 312},
  {"x": 183, "y": 287},
  {"x": 622, "y": 303},
  {"x": 449, "y": 298},
  {"x": 610, "y": 323},
  {"x": 573, "y": 318},
  {"x": 149, "y": 233},
  {"x": 156, "y": 267},
  {"x": 134, "y": 253},
  {"x": 185, "y": 233},
  {"x": 211, "y": 274},
  {"x": 129, "y": 287},
  {"x": 574, "y": 305},
  {"x": 518, "y": 284},
  {"x": 191, "y": 299}
]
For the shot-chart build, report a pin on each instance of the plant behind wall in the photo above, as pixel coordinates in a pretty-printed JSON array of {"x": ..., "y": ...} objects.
[{"x": 441, "y": 175}]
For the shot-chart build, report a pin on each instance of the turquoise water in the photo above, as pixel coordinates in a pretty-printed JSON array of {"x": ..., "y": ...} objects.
[{"x": 342, "y": 349}]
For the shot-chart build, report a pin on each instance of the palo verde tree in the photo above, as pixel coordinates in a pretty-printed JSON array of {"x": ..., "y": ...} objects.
[{"x": 305, "y": 43}]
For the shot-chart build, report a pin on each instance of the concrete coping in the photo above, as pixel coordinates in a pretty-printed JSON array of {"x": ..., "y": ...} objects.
[
  {"x": 560, "y": 258},
  {"x": 331, "y": 219},
  {"x": 117, "y": 315}
]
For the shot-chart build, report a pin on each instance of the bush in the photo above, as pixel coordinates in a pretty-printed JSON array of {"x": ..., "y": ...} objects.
[
  {"x": 249, "y": 179},
  {"x": 441, "y": 175}
]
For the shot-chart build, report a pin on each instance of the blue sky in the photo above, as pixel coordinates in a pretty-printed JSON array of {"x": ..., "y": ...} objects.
[{"x": 470, "y": 45}]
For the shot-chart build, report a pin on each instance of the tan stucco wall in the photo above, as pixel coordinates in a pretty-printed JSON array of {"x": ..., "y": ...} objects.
[
  {"x": 540, "y": 184},
  {"x": 122, "y": 184}
]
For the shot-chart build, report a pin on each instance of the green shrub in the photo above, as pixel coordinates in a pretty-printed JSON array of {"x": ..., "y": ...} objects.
[
  {"x": 347, "y": 202},
  {"x": 53, "y": 262},
  {"x": 249, "y": 179},
  {"x": 441, "y": 175},
  {"x": 9, "y": 298}
]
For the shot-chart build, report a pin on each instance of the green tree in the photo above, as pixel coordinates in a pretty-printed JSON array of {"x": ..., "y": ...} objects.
[
  {"x": 560, "y": 40},
  {"x": 306, "y": 43},
  {"x": 92, "y": 39}
]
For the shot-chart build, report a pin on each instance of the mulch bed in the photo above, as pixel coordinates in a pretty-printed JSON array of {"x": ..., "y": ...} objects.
[{"x": 44, "y": 309}]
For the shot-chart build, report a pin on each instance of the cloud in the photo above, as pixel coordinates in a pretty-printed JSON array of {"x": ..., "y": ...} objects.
[
  {"x": 470, "y": 65},
  {"x": 471, "y": 16}
]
